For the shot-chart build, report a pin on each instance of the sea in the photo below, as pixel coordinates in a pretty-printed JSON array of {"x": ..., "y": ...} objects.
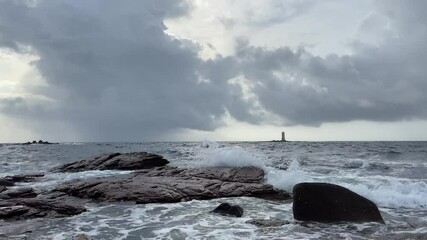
[{"x": 391, "y": 174}]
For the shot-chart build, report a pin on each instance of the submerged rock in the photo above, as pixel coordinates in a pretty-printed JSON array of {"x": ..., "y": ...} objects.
[
  {"x": 82, "y": 237},
  {"x": 324, "y": 202},
  {"x": 115, "y": 161},
  {"x": 171, "y": 184},
  {"x": 227, "y": 209},
  {"x": 268, "y": 222}
]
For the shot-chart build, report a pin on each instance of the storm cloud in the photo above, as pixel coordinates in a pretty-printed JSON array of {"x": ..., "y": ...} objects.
[
  {"x": 383, "y": 81},
  {"x": 112, "y": 73},
  {"x": 111, "y": 70}
]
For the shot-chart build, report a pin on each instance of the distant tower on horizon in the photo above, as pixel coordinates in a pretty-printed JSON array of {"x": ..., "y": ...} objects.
[{"x": 283, "y": 137}]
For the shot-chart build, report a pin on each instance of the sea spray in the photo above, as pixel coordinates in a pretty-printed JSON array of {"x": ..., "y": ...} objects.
[
  {"x": 287, "y": 179},
  {"x": 215, "y": 156},
  {"x": 389, "y": 193},
  {"x": 392, "y": 193}
]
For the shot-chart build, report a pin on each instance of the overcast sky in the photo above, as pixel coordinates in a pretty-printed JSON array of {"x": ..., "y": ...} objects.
[{"x": 159, "y": 70}]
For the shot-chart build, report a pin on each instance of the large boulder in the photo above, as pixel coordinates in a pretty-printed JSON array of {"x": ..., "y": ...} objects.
[
  {"x": 324, "y": 202},
  {"x": 171, "y": 184},
  {"x": 115, "y": 161}
]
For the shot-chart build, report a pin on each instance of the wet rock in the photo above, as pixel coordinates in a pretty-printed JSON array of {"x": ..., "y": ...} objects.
[
  {"x": 323, "y": 202},
  {"x": 268, "y": 222},
  {"x": 171, "y": 184},
  {"x": 11, "y": 180},
  {"x": 6, "y": 183},
  {"x": 2, "y": 188},
  {"x": 13, "y": 211},
  {"x": 227, "y": 174},
  {"x": 116, "y": 161},
  {"x": 227, "y": 209},
  {"x": 26, "y": 208},
  {"x": 18, "y": 193}
]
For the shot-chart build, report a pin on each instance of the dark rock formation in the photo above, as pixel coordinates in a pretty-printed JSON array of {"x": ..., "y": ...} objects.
[
  {"x": 227, "y": 174},
  {"x": 116, "y": 161},
  {"x": 227, "y": 209},
  {"x": 18, "y": 193},
  {"x": 171, "y": 184},
  {"x": 153, "y": 182},
  {"x": 6, "y": 183},
  {"x": 25, "y": 208},
  {"x": 323, "y": 202},
  {"x": 12, "y": 211},
  {"x": 11, "y": 180},
  {"x": 2, "y": 188},
  {"x": 35, "y": 142}
]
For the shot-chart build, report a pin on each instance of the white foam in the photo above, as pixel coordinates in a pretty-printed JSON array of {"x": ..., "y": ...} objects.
[
  {"x": 394, "y": 193},
  {"x": 287, "y": 179},
  {"x": 216, "y": 156},
  {"x": 385, "y": 191},
  {"x": 389, "y": 192}
]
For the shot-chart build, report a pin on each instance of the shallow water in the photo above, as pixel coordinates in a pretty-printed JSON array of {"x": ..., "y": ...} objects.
[{"x": 392, "y": 174}]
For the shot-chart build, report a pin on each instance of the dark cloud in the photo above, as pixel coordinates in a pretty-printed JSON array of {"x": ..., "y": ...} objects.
[
  {"x": 113, "y": 74},
  {"x": 384, "y": 81}
]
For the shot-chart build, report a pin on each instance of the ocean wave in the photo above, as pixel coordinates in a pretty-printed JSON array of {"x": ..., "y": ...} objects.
[
  {"x": 214, "y": 156},
  {"x": 389, "y": 192}
]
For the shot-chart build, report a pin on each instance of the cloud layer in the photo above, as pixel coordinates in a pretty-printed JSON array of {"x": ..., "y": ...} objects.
[
  {"x": 112, "y": 73},
  {"x": 111, "y": 70}
]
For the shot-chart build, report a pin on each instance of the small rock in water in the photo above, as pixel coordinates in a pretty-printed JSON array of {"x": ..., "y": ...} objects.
[
  {"x": 324, "y": 202},
  {"x": 177, "y": 234},
  {"x": 82, "y": 237},
  {"x": 227, "y": 209}
]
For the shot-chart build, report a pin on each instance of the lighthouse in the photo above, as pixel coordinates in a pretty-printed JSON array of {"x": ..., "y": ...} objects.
[{"x": 283, "y": 137}]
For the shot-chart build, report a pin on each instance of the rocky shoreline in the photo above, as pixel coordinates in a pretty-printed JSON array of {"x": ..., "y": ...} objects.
[{"x": 154, "y": 181}]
